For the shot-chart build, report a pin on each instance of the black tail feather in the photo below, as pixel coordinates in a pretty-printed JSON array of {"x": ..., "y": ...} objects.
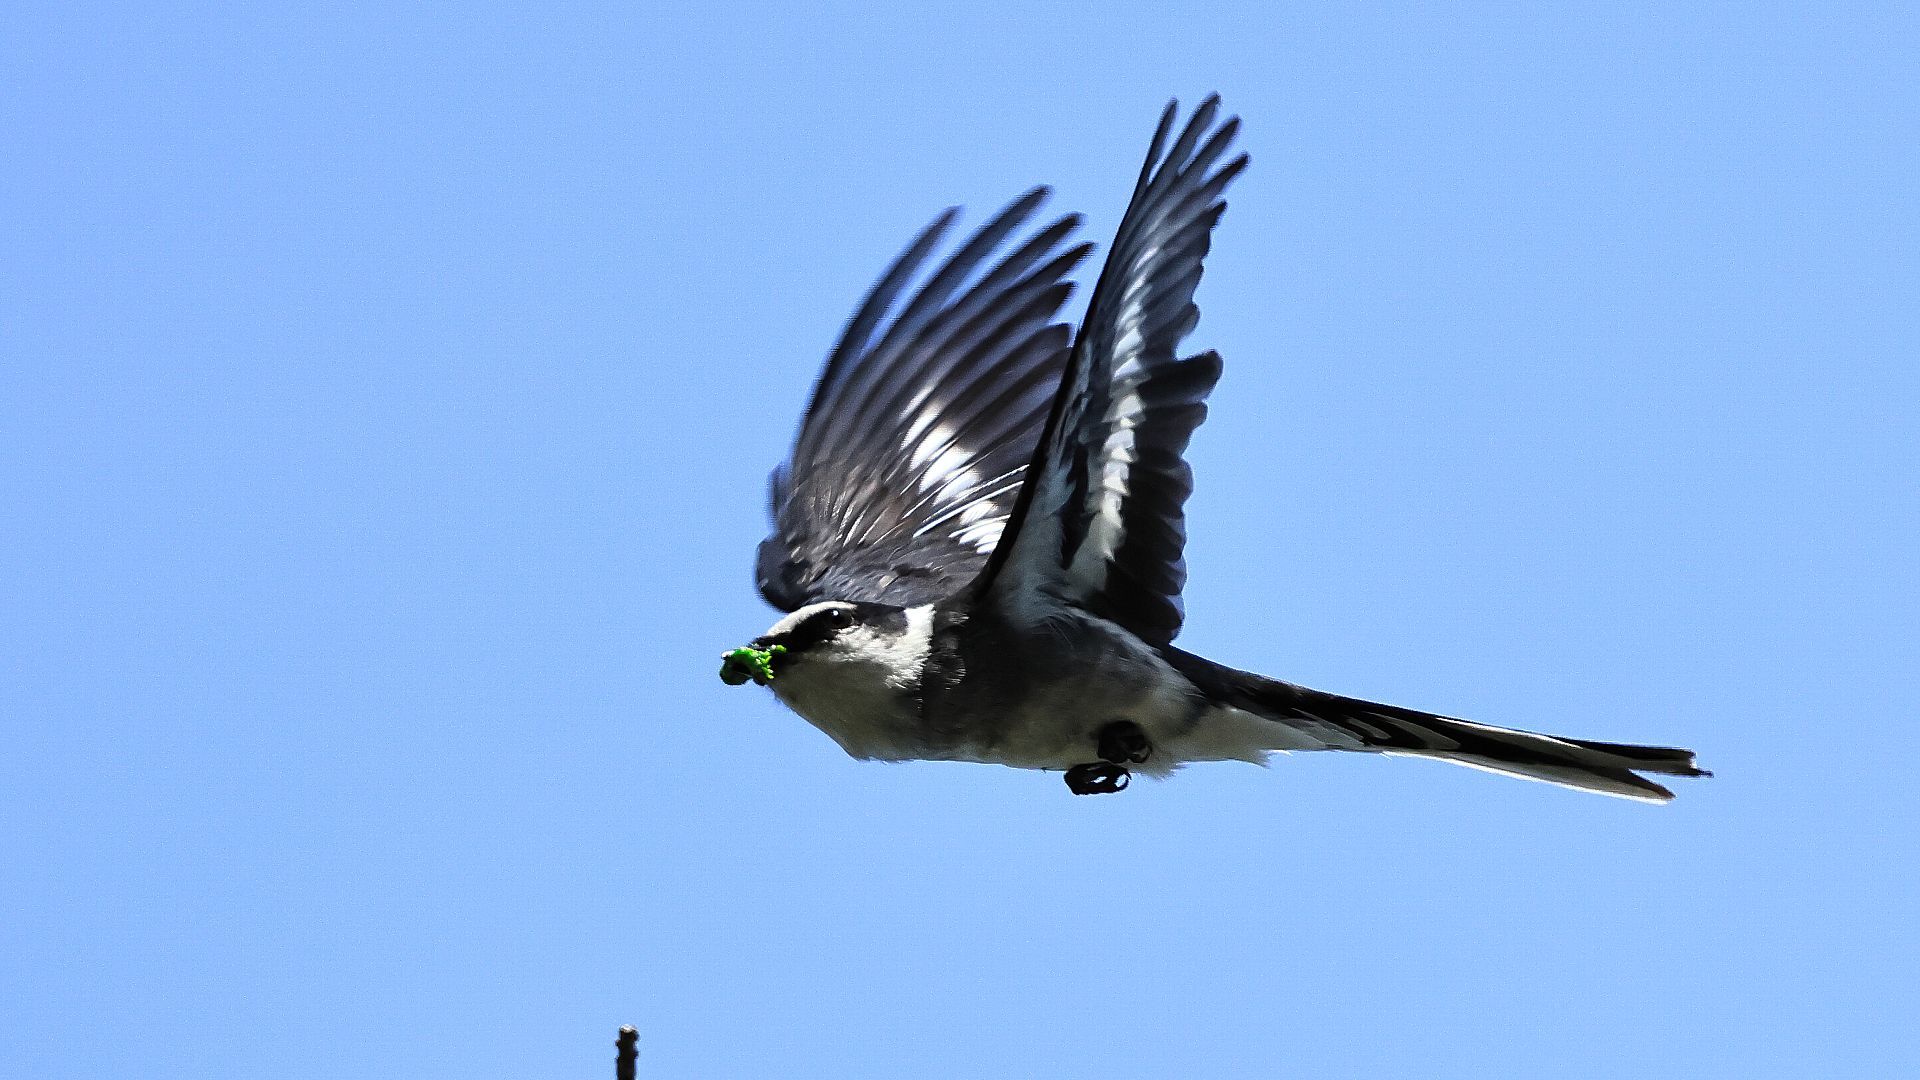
[{"x": 1344, "y": 723}]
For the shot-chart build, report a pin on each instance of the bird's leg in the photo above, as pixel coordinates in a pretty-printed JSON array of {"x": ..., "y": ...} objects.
[
  {"x": 1097, "y": 778},
  {"x": 1119, "y": 744},
  {"x": 1123, "y": 743}
]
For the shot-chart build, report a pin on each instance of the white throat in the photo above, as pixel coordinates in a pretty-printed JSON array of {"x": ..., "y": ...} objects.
[{"x": 858, "y": 687}]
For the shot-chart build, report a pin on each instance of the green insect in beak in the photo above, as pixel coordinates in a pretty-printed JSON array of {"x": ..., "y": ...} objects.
[{"x": 745, "y": 663}]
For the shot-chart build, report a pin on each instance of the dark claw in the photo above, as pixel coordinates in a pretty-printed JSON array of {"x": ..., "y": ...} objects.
[
  {"x": 1098, "y": 778},
  {"x": 1123, "y": 742}
]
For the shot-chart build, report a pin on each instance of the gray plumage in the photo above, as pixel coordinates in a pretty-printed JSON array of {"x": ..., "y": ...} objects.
[{"x": 979, "y": 533}]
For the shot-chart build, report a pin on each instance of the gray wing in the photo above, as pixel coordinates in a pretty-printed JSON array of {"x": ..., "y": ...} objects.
[
  {"x": 917, "y": 437},
  {"x": 1100, "y": 520}
]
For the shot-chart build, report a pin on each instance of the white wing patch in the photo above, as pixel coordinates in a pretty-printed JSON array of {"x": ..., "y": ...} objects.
[
  {"x": 1103, "y": 525},
  {"x": 1107, "y": 529}
]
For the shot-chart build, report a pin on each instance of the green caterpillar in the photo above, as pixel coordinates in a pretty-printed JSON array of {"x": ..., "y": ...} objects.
[{"x": 739, "y": 665}]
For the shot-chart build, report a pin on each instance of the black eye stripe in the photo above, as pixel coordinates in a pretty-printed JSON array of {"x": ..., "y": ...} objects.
[
  {"x": 884, "y": 619},
  {"x": 817, "y": 628}
]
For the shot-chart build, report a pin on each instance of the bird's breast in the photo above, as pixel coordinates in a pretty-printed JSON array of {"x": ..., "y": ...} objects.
[{"x": 858, "y": 706}]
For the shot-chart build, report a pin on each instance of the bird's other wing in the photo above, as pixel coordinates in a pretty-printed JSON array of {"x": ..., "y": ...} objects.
[
  {"x": 1099, "y": 522},
  {"x": 914, "y": 444}
]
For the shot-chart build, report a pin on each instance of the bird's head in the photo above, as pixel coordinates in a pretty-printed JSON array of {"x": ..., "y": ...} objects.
[{"x": 835, "y": 639}]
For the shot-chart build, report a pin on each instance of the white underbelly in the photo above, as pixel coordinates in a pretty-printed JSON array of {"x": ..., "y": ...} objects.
[{"x": 1062, "y": 731}]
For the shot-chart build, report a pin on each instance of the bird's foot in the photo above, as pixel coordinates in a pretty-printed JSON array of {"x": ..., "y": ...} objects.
[
  {"x": 1122, "y": 742},
  {"x": 1098, "y": 778}
]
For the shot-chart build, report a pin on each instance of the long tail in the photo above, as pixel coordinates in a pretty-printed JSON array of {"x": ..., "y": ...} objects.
[{"x": 1317, "y": 720}]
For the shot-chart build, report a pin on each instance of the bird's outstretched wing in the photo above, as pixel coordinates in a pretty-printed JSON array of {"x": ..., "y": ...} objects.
[
  {"x": 914, "y": 444},
  {"x": 1099, "y": 522}
]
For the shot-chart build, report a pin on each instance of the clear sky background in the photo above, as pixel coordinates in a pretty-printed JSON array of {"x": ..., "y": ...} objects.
[{"x": 385, "y": 401}]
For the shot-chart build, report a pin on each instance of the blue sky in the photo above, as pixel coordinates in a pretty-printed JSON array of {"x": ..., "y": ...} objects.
[{"x": 384, "y": 405}]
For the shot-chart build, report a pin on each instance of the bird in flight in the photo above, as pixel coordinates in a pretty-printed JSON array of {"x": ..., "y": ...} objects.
[{"x": 978, "y": 535}]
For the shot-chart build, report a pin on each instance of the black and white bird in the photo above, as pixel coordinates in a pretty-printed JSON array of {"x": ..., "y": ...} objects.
[{"x": 978, "y": 535}]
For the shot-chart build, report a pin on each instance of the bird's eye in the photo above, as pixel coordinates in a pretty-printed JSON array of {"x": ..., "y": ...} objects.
[{"x": 839, "y": 618}]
